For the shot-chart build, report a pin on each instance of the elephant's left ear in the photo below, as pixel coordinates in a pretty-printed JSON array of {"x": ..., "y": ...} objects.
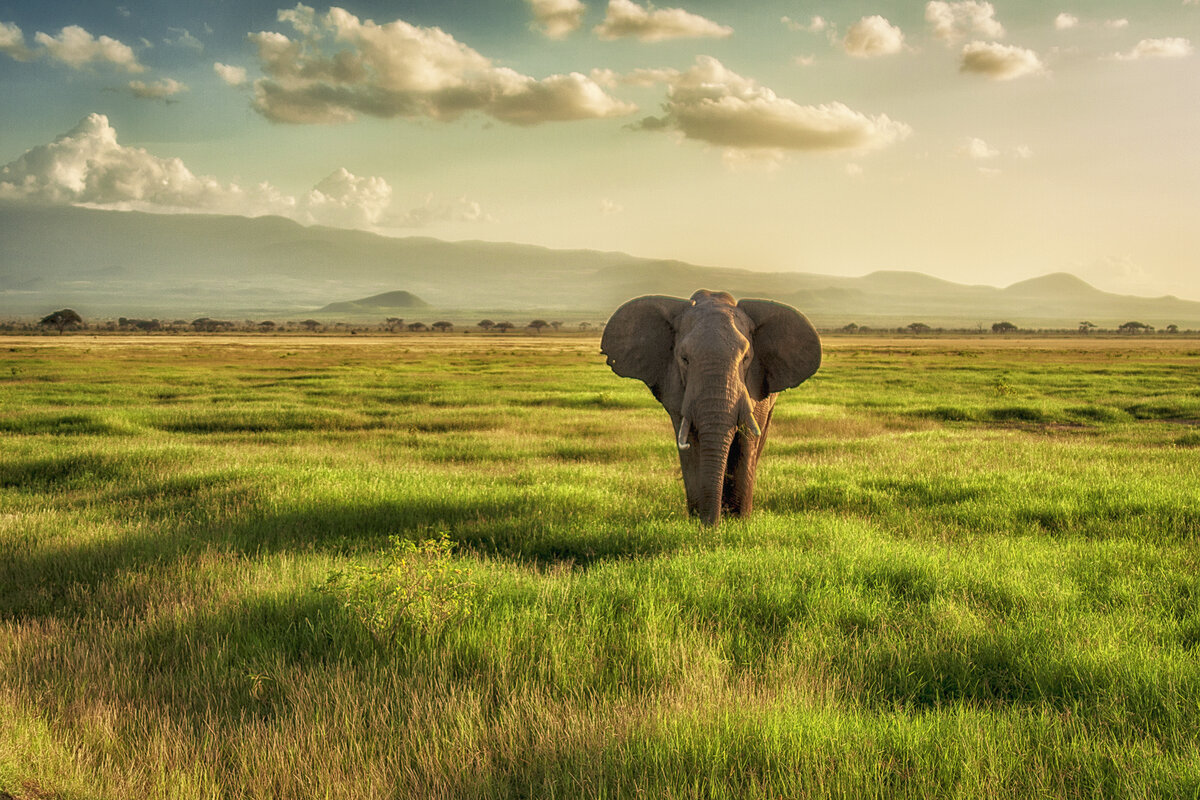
[{"x": 787, "y": 349}]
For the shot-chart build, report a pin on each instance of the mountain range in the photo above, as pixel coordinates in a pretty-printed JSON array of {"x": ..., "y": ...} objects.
[{"x": 122, "y": 263}]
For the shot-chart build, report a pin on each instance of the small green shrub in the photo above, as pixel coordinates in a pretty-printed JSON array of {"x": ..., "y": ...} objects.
[{"x": 416, "y": 586}]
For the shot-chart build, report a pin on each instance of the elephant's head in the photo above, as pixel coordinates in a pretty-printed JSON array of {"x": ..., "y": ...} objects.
[{"x": 715, "y": 365}]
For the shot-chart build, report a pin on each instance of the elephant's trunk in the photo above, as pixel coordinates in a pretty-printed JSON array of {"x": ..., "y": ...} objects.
[{"x": 714, "y": 456}]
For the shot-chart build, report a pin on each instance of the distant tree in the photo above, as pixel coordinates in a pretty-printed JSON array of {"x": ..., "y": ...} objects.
[
  {"x": 918, "y": 327},
  {"x": 266, "y": 326},
  {"x": 583, "y": 326},
  {"x": 310, "y": 325},
  {"x": 485, "y": 325},
  {"x": 556, "y": 325},
  {"x": 210, "y": 325},
  {"x": 1086, "y": 327},
  {"x": 851, "y": 328},
  {"x": 441, "y": 326},
  {"x": 505, "y": 326},
  {"x": 393, "y": 323},
  {"x": 417, "y": 326},
  {"x": 63, "y": 319},
  {"x": 538, "y": 325},
  {"x": 1135, "y": 327},
  {"x": 1003, "y": 327},
  {"x": 1172, "y": 328}
]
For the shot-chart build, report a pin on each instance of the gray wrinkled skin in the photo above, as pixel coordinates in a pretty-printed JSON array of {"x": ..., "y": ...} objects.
[{"x": 716, "y": 365}]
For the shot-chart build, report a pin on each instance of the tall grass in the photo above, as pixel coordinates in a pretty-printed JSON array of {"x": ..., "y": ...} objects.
[{"x": 972, "y": 573}]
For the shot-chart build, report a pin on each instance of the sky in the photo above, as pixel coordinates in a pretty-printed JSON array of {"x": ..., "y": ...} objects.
[{"x": 984, "y": 143}]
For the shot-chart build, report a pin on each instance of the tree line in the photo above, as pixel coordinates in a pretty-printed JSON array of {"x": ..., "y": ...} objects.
[{"x": 69, "y": 319}]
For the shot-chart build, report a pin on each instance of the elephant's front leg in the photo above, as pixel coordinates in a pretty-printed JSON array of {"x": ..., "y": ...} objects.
[{"x": 743, "y": 462}]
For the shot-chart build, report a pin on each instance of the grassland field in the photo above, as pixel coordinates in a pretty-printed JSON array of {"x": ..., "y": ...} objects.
[{"x": 972, "y": 572}]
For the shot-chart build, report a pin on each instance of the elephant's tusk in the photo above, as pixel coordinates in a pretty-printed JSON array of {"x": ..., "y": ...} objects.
[
  {"x": 746, "y": 420},
  {"x": 684, "y": 427}
]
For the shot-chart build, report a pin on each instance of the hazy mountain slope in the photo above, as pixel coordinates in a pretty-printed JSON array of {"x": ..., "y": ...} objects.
[{"x": 107, "y": 263}]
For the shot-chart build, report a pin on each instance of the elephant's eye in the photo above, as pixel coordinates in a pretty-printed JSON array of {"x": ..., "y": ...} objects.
[{"x": 683, "y": 359}]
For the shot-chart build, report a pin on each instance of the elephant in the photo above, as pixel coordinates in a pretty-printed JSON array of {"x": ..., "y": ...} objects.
[{"x": 717, "y": 366}]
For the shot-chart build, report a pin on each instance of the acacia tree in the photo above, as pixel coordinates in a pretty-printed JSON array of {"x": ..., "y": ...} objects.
[
  {"x": 538, "y": 325},
  {"x": 416, "y": 326},
  {"x": 1003, "y": 327},
  {"x": 63, "y": 319},
  {"x": 505, "y": 326},
  {"x": 1135, "y": 327},
  {"x": 441, "y": 326},
  {"x": 393, "y": 323},
  {"x": 485, "y": 325},
  {"x": 1086, "y": 327}
]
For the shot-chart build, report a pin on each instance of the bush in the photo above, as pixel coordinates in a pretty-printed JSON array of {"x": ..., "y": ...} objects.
[{"x": 416, "y": 587}]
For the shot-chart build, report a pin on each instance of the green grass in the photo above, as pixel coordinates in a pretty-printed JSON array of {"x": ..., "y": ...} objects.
[{"x": 972, "y": 572}]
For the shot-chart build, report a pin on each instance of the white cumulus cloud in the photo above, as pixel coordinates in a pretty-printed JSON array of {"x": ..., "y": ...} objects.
[
  {"x": 999, "y": 62},
  {"x": 234, "y": 76},
  {"x": 712, "y": 104},
  {"x": 873, "y": 36},
  {"x": 814, "y": 25},
  {"x": 158, "y": 90},
  {"x": 557, "y": 18},
  {"x": 977, "y": 149},
  {"x": 1065, "y": 21},
  {"x": 12, "y": 42},
  {"x": 952, "y": 22},
  {"x": 88, "y": 166},
  {"x": 77, "y": 48},
  {"x": 1158, "y": 48},
  {"x": 626, "y": 19},
  {"x": 343, "y": 66}
]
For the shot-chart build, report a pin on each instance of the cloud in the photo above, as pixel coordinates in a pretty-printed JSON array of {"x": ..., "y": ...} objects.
[
  {"x": 234, "y": 76},
  {"x": 1116, "y": 24},
  {"x": 952, "y": 22},
  {"x": 1157, "y": 48},
  {"x": 159, "y": 90},
  {"x": 626, "y": 19},
  {"x": 999, "y": 62},
  {"x": 349, "y": 201},
  {"x": 712, "y": 104},
  {"x": 873, "y": 36},
  {"x": 88, "y": 166},
  {"x": 978, "y": 150},
  {"x": 814, "y": 25},
  {"x": 557, "y": 18},
  {"x": 344, "y": 66},
  {"x": 432, "y": 210},
  {"x": 12, "y": 42},
  {"x": 1065, "y": 21},
  {"x": 77, "y": 48},
  {"x": 185, "y": 40}
]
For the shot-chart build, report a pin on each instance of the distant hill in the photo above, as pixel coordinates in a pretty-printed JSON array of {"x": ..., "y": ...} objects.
[
  {"x": 110, "y": 263},
  {"x": 376, "y": 304}
]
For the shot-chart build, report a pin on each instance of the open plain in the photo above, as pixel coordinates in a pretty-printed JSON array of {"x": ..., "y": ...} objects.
[{"x": 457, "y": 566}]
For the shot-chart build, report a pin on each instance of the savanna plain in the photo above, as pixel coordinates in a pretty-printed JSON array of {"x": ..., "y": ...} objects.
[{"x": 460, "y": 566}]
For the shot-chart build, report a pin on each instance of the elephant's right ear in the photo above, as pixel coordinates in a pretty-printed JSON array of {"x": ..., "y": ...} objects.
[{"x": 639, "y": 338}]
